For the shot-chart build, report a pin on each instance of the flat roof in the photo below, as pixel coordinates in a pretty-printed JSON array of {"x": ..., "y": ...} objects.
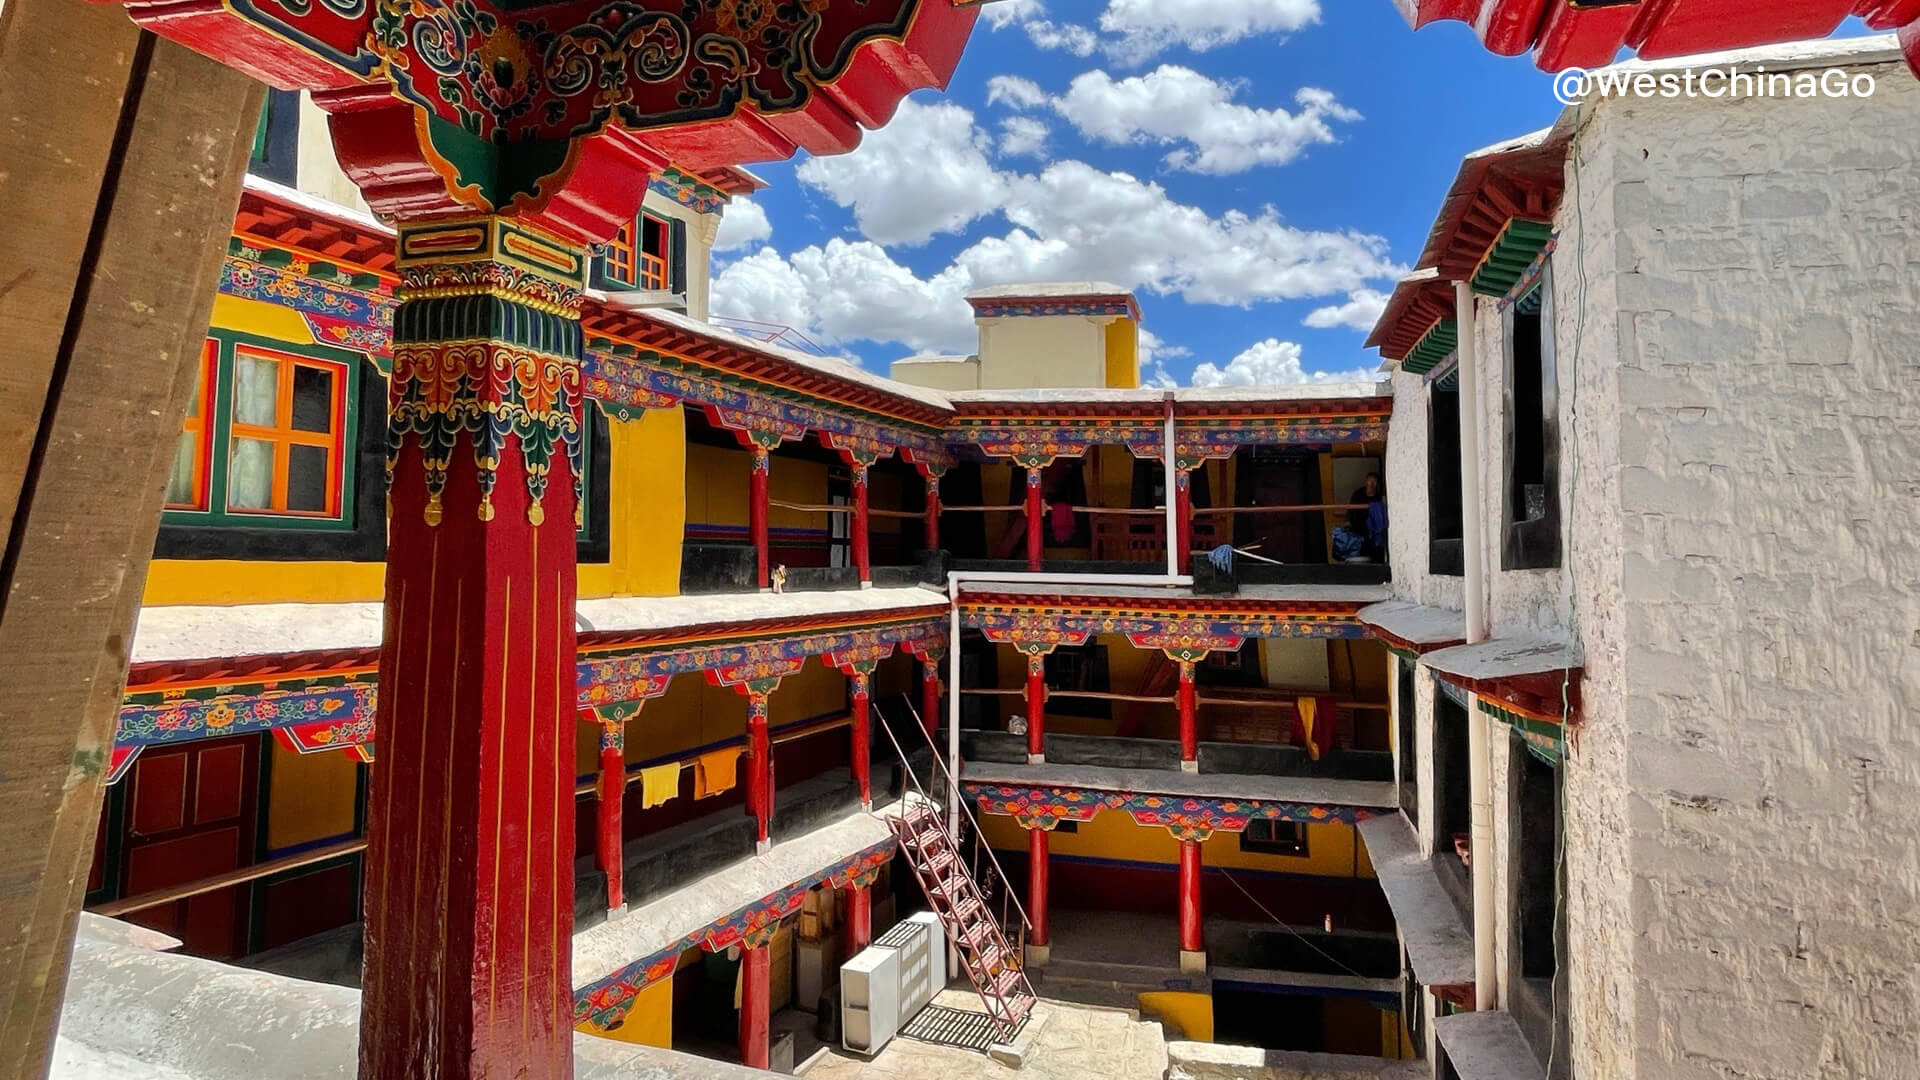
[
  {"x": 1439, "y": 942},
  {"x": 1506, "y": 658},
  {"x": 1372, "y": 794},
  {"x": 1487, "y": 1046},
  {"x": 203, "y": 632},
  {"x": 1416, "y": 624}
]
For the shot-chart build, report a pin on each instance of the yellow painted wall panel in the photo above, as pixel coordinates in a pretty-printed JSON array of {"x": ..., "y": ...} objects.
[
  {"x": 648, "y": 1023},
  {"x": 1123, "y": 354},
  {"x": 647, "y": 505},
  {"x": 227, "y": 581},
  {"x": 1191, "y": 1013},
  {"x": 309, "y": 796},
  {"x": 260, "y": 317},
  {"x": 1332, "y": 847}
]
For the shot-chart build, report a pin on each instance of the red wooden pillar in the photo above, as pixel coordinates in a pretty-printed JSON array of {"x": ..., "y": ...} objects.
[
  {"x": 759, "y": 769},
  {"x": 930, "y": 695},
  {"x": 757, "y": 516},
  {"x": 756, "y": 995},
  {"x": 1193, "y": 943},
  {"x": 859, "y": 918},
  {"x": 862, "y": 752},
  {"x": 933, "y": 512},
  {"x": 1036, "y": 511},
  {"x": 1036, "y": 708},
  {"x": 862, "y": 562},
  {"x": 469, "y": 867},
  {"x": 1039, "y": 942},
  {"x": 1183, "y": 520},
  {"x": 609, "y": 844},
  {"x": 1189, "y": 723}
]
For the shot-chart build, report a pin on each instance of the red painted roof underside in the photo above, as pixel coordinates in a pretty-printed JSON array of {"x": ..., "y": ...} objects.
[{"x": 1562, "y": 35}]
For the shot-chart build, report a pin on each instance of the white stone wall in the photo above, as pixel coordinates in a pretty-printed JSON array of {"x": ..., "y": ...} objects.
[
  {"x": 1406, "y": 477},
  {"x": 1767, "y": 369}
]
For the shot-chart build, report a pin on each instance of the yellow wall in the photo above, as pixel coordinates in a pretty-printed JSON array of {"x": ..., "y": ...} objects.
[
  {"x": 693, "y": 713},
  {"x": 1333, "y": 848},
  {"x": 1190, "y": 1013},
  {"x": 1123, "y": 354},
  {"x": 649, "y": 1022},
  {"x": 646, "y": 504},
  {"x": 309, "y": 796}
]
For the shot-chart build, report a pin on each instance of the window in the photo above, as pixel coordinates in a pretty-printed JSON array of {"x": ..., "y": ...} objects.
[
  {"x": 1274, "y": 837},
  {"x": 192, "y": 452},
  {"x": 1536, "y": 949},
  {"x": 265, "y": 438},
  {"x": 288, "y": 415},
  {"x": 1452, "y": 797},
  {"x": 1405, "y": 708},
  {"x": 644, "y": 262},
  {"x": 1445, "y": 551},
  {"x": 1078, "y": 667},
  {"x": 1532, "y": 503},
  {"x": 653, "y": 252},
  {"x": 276, "y": 138}
]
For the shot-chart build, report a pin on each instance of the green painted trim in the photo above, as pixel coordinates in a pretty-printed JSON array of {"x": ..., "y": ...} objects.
[
  {"x": 1544, "y": 740},
  {"x": 1510, "y": 256},
  {"x": 1436, "y": 345},
  {"x": 220, "y": 440}
]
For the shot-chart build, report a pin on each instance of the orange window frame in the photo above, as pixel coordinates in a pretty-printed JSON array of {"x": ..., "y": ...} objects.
[
  {"x": 653, "y": 268},
  {"x": 284, "y": 436},
  {"x": 197, "y": 426},
  {"x": 619, "y": 256}
]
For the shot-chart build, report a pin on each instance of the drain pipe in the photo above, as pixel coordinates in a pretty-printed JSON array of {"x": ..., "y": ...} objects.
[
  {"x": 1172, "y": 475},
  {"x": 1479, "y": 739}
]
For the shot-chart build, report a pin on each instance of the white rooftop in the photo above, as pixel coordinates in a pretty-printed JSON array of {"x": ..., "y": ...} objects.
[
  {"x": 200, "y": 632},
  {"x": 1023, "y": 290},
  {"x": 1189, "y": 395}
]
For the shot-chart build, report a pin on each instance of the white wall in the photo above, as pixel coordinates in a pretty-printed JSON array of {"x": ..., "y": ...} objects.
[{"x": 1767, "y": 370}]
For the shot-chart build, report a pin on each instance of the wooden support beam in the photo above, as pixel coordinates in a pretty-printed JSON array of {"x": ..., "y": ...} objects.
[{"x": 123, "y": 157}]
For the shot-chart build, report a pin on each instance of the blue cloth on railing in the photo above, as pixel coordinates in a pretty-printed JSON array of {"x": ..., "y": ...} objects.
[{"x": 1222, "y": 558}]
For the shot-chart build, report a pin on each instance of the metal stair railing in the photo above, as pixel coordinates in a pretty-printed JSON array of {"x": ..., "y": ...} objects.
[{"x": 994, "y": 966}]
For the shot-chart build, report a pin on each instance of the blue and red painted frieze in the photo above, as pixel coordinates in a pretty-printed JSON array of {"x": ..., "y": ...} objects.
[
  {"x": 357, "y": 316},
  {"x": 1187, "y": 817},
  {"x": 603, "y": 1005},
  {"x": 1045, "y": 623}
]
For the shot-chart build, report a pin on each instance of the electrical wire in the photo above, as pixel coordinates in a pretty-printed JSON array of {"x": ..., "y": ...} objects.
[{"x": 1277, "y": 921}]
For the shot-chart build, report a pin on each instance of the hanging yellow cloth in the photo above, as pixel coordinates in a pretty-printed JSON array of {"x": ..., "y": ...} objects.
[
  {"x": 1309, "y": 711},
  {"x": 715, "y": 772},
  {"x": 658, "y": 784}
]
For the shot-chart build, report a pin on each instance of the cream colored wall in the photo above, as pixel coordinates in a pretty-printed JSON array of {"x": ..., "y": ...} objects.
[
  {"x": 316, "y": 170},
  {"x": 1031, "y": 351},
  {"x": 956, "y": 374},
  {"x": 701, "y": 229}
]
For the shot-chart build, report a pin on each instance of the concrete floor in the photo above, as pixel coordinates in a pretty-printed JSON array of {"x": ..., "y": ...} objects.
[{"x": 1071, "y": 1042}]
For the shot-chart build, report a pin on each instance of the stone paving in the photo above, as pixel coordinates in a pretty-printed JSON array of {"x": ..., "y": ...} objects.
[{"x": 1074, "y": 1042}]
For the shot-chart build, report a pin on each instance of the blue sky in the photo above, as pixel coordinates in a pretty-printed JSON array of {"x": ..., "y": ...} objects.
[{"x": 1259, "y": 195}]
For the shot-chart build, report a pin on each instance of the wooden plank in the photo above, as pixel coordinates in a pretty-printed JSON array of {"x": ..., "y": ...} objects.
[
  {"x": 139, "y": 293},
  {"x": 240, "y": 876}
]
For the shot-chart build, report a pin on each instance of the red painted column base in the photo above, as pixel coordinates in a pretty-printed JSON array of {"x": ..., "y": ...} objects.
[
  {"x": 1189, "y": 722},
  {"x": 756, "y": 995},
  {"x": 757, "y": 518},
  {"x": 862, "y": 559},
  {"x": 1193, "y": 941},
  {"x": 1039, "y": 942},
  {"x": 1036, "y": 709},
  {"x": 933, "y": 514},
  {"x": 862, "y": 750},
  {"x": 759, "y": 771},
  {"x": 1036, "y": 525},
  {"x": 859, "y": 918},
  {"x": 930, "y": 698},
  {"x": 610, "y": 817},
  {"x": 1183, "y": 521}
]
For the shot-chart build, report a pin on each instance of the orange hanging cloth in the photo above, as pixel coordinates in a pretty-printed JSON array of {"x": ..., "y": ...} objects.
[
  {"x": 1316, "y": 725},
  {"x": 716, "y": 772}
]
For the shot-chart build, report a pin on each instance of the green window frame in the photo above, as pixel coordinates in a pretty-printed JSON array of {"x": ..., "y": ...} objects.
[{"x": 218, "y": 437}]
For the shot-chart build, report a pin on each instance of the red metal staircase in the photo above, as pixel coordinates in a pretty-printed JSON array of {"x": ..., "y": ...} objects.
[{"x": 992, "y": 961}]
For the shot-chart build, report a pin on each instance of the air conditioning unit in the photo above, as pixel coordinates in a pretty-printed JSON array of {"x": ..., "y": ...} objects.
[
  {"x": 890, "y": 981},
  {"x": 870, "y": 999}
]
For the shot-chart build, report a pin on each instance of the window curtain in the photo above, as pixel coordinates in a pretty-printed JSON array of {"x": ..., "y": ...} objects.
[{"x": 256, "y": 395}]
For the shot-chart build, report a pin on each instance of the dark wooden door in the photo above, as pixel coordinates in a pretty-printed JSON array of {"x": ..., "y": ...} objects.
[
  {"x": 190, "y": 814},
  {"x": 1269, "y": 477}
]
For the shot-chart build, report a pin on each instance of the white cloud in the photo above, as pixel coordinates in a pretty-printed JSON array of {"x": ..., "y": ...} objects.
[
  {"x": 742, "y": 224},
  {"x": 1154, "y": 354},
  {"x": 1361, "y": 311},
  {"x": 1134, "y": 31},
  {"x": 1023, "y": 136},
  {"x": 1271, "y": 363},
  {"x": 1013, "y": 90},
  {"x": 926, "y": 172},
  {"x": 1069, "y": 222},
  {"x": 849, "y": 291},
  {"x": 1177, "y": 105},
  {"x": 1145, "y": 28}
]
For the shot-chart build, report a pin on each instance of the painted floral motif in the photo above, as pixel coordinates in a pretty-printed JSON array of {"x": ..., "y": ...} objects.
[{"x": 1187, "y": 817}]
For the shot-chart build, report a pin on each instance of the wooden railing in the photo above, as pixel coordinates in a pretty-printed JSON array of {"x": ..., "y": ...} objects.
[{"x": 241, "y": 876}]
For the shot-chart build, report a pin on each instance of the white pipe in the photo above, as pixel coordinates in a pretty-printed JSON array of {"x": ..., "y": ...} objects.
[
  {"x": 1479, "y": 742},
  {"x": 1166, "y": 459}
]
